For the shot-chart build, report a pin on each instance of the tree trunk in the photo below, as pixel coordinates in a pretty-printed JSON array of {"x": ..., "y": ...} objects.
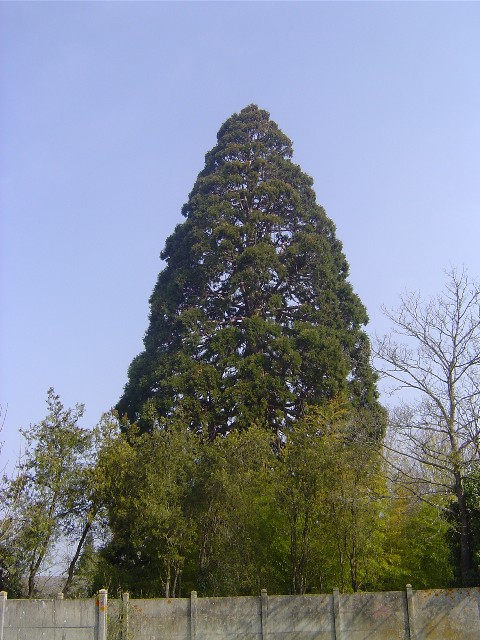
[
  {"x": 463, "y": 531},
  {"x": 73, "y": 563},
  {"x": 167, "y": 583},
  {"x": 33, "y": 574}
]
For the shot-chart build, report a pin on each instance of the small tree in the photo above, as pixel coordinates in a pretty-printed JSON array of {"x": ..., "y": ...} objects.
[
  {"x": 10, "y": 562},
  {"x": 45, "y": 492},
  {"x": 93, "y": 484},
  {"x": 149, "y": 514},
  {"x": 438, "y": 432},
  {"x": 329, "y": 493}
]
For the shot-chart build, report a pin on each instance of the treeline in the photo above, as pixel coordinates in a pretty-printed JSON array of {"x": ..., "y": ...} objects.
[{"x": 165, "y": 512}]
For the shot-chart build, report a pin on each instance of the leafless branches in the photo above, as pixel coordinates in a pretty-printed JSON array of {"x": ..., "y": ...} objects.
[{"x": 433, "y": 353}]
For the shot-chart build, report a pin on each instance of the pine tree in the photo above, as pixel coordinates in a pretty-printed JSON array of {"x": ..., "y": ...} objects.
[{"x": 253, "y": 318}]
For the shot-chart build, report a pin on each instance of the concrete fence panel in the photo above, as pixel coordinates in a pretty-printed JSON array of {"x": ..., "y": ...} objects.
[
  {"x": 301, "y": 617},
  {"x": 447, "y": 614},
  {"x": 158, "y": 619},
  {"x": 50, "y": 620},
  {"x": 375, "y": 616},
  {"x": 444, "y": 614},
  {"x": 229, "y": 619}
]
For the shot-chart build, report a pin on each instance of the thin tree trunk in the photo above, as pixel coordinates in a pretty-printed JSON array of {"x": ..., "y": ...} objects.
[
  {"x": 167, "y": 583},
  {"x": 33, "y": 573},
  {"x": 73, "y": 563},
  {"x": 465, "y": 554},
  {"x": 293, "y": 554},
  {"x": 179, "y": 591}
]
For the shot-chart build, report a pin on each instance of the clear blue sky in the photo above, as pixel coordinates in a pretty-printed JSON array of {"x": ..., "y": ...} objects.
[{"x": 107, "y": 111}]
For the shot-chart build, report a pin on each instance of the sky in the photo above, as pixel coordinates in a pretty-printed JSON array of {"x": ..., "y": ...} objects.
[{"x": 108, "y": 108}]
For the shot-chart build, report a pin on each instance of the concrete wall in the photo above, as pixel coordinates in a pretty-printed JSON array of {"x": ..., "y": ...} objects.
[
  {"x": 452, "y": 614},
  {"x": 53, "y": 619}
]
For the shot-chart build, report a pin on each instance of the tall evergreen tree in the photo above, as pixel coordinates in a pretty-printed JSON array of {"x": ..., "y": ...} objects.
[{"x": 253, "y": 318}]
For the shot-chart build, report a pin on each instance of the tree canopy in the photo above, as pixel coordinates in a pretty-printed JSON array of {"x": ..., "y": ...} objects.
[{"x": 252, "y": 319}]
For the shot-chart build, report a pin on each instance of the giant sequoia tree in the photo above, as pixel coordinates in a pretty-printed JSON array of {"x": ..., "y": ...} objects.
[{"x": 252, "y": 319}]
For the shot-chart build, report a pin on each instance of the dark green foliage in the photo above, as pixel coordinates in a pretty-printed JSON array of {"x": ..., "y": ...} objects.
[
  {"x": 149, "y": 501},
  {"x": 237, "y": 520},
  {"x": 11, "y": 571},
  {"x": 253, "y": 318},
  {"x": 472, "y": 492},
  {"x": 232, "y": 516},
  {"x": 471, "y": 486}
]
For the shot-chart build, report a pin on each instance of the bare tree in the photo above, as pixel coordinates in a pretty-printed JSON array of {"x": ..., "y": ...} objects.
[{"x": 437, "y": 433}]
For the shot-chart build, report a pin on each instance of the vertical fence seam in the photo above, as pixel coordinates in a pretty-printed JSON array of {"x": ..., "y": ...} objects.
[
  {"x": 264, "y": 613},
  {"x": 3, "y": 604},
  {"x": 336, "y": 614},
  {"x": 102, "y": 615},
  {"x": 412, "y": 634},
  {"x": 193, "y": 615},
  {"x": 124, "y": 614}
]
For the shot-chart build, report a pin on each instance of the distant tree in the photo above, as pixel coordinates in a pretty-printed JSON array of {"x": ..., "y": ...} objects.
[
  {"x": 45, "y": 492},
  {"x": 253, "y": 318},
  {"x": 437, "y": 433}
]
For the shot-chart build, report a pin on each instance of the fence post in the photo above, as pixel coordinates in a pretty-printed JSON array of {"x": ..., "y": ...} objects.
[
  {"x": 337, "y": 634},
  {"x": 193, "y": 615},
  {"x": 102, "y": 614},
  {"x": 264, "y": 597},
  {"x": 412, "y": 634},
  {"x": 3, "y": 604},
  {"x": 124, "y": 614}
]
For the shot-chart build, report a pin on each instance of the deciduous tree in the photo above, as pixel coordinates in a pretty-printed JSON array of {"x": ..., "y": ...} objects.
[
  {"x": 150, "y": 510},
  {"x": 437, "y": 432},
  {"x": 45, "y": 490},
  {"x": 330, "y": 492}
]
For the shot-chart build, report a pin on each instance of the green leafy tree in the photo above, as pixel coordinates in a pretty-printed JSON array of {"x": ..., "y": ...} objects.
[
  {"x": 149, "y": 508},
  {"x": 355, "y": 497},
  {"x": 45, "y": 492},
  {"x": 85, "y": 520},
  {"x": 236, "y": 514},
  {"x": 472, "y": 504},
  {"x": 416, "y": 543},
  {"x": 11, "y": 562},
  {"x": 330, "y": 492},
  {"x": 253, "y": 318}
]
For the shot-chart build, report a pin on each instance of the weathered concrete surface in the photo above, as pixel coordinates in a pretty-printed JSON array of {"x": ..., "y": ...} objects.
[
  {"x": 447, "y": 614},
  {"x": 158, "y": 619},
  {"x": 434, "y": 615},
  {"x": 229, "y": 619},
  {"x": 373, "y": 616},
  {"x": 50, "y": 620},
  {"x": 302, "y": 618},
  {"x": 451, "y": 614}
]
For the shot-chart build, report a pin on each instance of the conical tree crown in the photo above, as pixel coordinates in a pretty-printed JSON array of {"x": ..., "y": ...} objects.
[{"x": 253, "y": 318}]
